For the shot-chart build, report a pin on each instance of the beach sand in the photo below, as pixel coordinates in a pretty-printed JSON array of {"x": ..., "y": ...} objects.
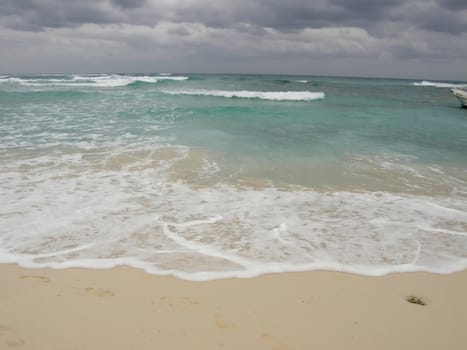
[{"x": 124, "y": 308}]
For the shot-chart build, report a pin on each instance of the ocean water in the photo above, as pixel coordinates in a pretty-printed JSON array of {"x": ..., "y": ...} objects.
[{"x": 217, "y": 176}]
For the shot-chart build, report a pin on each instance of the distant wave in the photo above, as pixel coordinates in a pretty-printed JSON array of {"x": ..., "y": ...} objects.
[
  {"x": 440, "y": 85},
  {"x": 263, "y": 95},
  {"x": 107, "y": 80},
  {"x": 287, "y": 81},
  {"x": 166, "y": 77},
  {"x": 309, "y": 82}
]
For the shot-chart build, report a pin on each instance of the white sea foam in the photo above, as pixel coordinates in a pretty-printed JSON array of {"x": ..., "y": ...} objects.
[
  {"x": 208, "y": 169},
  {"x": 87, "y": 190},
  {"x": 263, "y": 95},
  {"x": 7, "y": 79},
  {"x": 440, "y": 85},
  {"x": 106, "y": 80},
  {"x": 164, "y": 77},
  {"x": 53, "y": 214},
  {"x": 407, "y": 174}
]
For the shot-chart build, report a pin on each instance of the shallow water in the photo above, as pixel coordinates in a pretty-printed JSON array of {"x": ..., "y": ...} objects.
[{"x": 212, "y": 176}]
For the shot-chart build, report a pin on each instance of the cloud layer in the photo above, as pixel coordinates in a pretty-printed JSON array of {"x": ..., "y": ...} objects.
[{"x": 358, "y": 37}]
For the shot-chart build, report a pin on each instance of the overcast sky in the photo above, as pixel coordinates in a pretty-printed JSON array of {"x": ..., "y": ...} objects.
[{"x": 424, "y": 39}]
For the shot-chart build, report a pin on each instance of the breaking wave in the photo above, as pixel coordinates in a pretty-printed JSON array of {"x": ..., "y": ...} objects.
[
  {"x": 440, "y": 85},
  {"x": 105, "y": 80},
  {"x": 263, "y": 95}
]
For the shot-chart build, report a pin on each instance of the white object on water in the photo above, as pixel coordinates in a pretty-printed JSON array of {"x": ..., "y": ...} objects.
[{"x": 461, "y": 96}]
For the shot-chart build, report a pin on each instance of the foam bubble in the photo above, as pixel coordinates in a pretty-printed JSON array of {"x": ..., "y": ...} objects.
[{"x": 263, "y": 95}]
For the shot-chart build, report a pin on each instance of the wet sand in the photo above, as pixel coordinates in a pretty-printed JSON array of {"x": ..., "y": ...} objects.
[{"x": 124, "y": 308}]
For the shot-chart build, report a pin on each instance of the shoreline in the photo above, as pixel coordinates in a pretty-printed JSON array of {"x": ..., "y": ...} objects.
[{"x": 126, "y": 308}]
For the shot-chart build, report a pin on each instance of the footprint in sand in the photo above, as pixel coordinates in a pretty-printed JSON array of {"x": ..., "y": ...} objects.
[
  {"x": 43, "y": 279},
  {"x": 177, "y": 301},
  {"x": 5, "y": 330},
  {"x": 12, "y": 341},
  {"x": 223, "y": 324},
  {"x": 16, "y": 343},
  {"x": 100, "y": 293},
  {"x": 276, "y": 344}
]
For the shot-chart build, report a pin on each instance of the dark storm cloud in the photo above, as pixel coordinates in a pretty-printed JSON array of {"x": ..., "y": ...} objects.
[
  {"x": 278, "y": 14},
  {"x": 371, "y": 15},
  {"x": 444, "y": 16},
  {"x": 366, "y": 6},
  {"x": 204, "y": 34},
  {"x": 454, "y": 4},
  {"x": 442, "y": 21},
  {"x": 129, "y": 3},
  {"x": 35, "y": 15}
]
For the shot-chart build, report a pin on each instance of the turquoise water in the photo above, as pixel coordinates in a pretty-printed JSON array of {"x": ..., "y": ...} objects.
[{"x": 212, "y": 176}]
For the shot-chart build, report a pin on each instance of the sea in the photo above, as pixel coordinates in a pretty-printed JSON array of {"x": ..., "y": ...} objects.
[{"x": 209, "y": 176}]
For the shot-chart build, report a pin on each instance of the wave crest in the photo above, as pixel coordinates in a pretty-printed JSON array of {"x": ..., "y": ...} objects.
[
  {"x": 105, "y": 80},
  {"x": 263, "y": 95},
  {"x": 440, "y": 84}
]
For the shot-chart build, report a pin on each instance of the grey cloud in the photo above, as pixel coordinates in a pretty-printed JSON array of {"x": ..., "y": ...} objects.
[
  {"x": 37, "y": 15},
  {"x": 180, "y": 31},
  {"x": 369, "y": 11},
  {"x": 278, "y": 14},
  {"x": 250, "y": 30},
  {"x": 454, "y": 4},
  {"x": 443, "y": 22},
  {"x": 434, "y": 17},
  {"x": 129, "y": 3}
]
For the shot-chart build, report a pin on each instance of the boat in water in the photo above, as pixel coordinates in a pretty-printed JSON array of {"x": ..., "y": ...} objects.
[{"x": 461, "y": 96}]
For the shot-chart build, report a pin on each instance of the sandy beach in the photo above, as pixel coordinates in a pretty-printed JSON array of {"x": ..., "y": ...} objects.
[{"x": 124, "y": 308}]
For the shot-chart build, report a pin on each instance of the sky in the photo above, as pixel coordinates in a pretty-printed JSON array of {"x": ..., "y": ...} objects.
[{"x": 424, "y": 39}]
